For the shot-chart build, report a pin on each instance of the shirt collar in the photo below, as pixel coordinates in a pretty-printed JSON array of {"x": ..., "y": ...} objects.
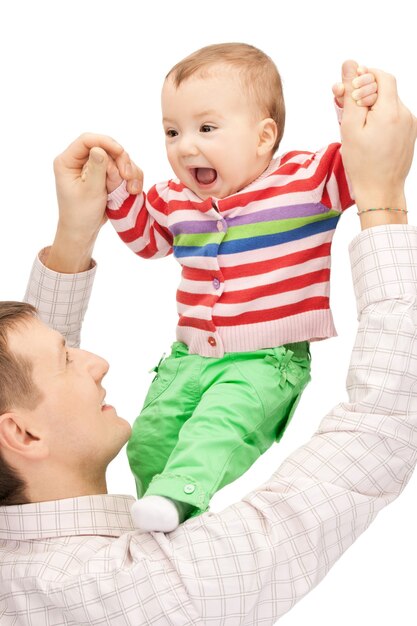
[
  {"x": 107, "y": 515},
  {"x": 273, "y": 165}
]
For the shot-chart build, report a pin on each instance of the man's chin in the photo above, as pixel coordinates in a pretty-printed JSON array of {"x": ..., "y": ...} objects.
[
  {"x": 127, "y": 427},
  {"x": 121, "y": 437}
]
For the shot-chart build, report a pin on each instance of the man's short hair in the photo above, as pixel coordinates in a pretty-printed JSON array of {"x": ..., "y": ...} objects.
[
  {"x": 17, "y": 389},
  {"x": 257, "y": 71}
]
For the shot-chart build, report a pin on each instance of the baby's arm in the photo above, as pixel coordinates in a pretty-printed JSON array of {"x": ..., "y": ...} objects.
[
  {"x": 142, "y": 226},
  {"x": 365, "y": 92}
]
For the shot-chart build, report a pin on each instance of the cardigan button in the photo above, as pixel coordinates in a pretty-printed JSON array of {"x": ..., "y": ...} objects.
[
  {"x": 216, "y": 283},
  {"x": 220, "y": 226},
  {"x": 212, "y": 341}
]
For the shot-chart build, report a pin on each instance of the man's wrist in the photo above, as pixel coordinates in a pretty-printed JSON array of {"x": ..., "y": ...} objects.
[
  {"x": 70, "y": 254},
  {"x": 377, "y": 209},
  {"x": 383, "y": 217},
  {"x": 374, "y": 197}
]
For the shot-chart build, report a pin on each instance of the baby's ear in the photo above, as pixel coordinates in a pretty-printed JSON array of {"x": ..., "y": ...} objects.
[{"x": 268, "y": 132}]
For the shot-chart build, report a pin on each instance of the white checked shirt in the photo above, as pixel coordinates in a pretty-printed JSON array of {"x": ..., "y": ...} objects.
[{"x": 79, "y": 561}]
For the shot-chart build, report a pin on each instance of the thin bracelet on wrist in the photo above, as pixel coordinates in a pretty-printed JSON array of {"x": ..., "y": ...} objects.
[{"x": 385, "y": 208}]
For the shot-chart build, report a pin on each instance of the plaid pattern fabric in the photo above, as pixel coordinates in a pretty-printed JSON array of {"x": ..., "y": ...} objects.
[
  {"x": 79, "y": 561},
  {"x": 61, "y": 299}
]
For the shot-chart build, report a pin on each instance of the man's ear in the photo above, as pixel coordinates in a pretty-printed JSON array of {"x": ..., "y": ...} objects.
[
  {"x": 268, "y": 132},
  {"x": 16, "y": 440}
]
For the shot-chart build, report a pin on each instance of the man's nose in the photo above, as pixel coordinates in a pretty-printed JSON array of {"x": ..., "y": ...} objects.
[{"x": 96, "y": 365}]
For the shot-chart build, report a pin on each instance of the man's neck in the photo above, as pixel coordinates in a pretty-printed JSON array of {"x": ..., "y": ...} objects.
[{"x": 62, "y": 485}]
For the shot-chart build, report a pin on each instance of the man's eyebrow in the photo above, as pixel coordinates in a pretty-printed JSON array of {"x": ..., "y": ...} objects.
[{"x": 61, "y": 344}]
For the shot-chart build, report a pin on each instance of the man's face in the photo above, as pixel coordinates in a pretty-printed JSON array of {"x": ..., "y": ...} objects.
[
  {"x": 212, "y": 133},
  {"x": 80, "y": 431}
]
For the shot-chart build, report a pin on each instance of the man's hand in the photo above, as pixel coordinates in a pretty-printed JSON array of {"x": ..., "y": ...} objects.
[
  {"x": 377, "y": 146},
  {"x": 81, "y": 172}
]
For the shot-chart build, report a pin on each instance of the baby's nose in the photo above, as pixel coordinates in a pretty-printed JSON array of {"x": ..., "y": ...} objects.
[{"x": 188, "y": 145}]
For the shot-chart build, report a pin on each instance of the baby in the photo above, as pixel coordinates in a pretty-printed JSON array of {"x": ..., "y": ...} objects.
[{"x": 253, "y": 235}]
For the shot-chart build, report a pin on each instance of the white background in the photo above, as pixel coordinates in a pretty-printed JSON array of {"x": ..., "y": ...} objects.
[{"x": 71, "y": 66}]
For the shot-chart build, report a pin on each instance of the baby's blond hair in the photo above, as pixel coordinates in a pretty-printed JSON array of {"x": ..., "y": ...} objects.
[{"x": 257, "y": 71}]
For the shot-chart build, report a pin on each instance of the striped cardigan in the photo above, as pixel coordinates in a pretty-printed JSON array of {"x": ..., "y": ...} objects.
[{"x": 255, "y": 265}]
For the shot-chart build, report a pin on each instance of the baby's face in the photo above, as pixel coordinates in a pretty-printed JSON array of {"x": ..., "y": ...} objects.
[{"x": 212, "y": 133}]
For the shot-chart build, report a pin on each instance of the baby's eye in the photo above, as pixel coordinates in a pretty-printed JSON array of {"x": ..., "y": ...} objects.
[
  {"x": 171, "y": 132},
  {"x": 67, "y": 358},
  {"x": 207, "y": 128}
]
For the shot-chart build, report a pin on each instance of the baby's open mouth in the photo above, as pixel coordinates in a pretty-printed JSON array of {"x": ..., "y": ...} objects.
[{"x": 204, "y": 175}]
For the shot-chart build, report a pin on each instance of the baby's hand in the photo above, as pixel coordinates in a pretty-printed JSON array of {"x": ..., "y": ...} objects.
[
  {"x": 365, "y": 89},
  {"x": 130, "y": 173}
]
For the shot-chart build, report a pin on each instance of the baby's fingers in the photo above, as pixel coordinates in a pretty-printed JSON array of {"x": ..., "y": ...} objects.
[
  {"x": 363, "y": 79},
  {"x": 366, "y": 89},
  {"x": 367, "y": 101}
]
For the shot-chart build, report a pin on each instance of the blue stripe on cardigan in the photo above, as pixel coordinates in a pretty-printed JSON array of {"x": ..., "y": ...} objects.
[{"x": 254, "y": 243}]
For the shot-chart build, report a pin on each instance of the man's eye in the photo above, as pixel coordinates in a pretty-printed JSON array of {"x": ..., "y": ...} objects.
[
  {"x": 171, "y": 133},
  {"x": 206, "y": 128}
]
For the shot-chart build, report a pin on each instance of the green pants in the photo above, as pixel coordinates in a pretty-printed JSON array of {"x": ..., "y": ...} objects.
[{"x": 205, "y": 421}]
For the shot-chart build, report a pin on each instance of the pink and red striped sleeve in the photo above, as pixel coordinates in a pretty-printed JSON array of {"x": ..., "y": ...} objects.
[
  {"x": 336, "y": 192},
  {"x": 141, "y": 221}
]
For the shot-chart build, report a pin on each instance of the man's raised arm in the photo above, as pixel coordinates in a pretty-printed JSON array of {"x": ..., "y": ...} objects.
[{"x": 62, "y": 276}]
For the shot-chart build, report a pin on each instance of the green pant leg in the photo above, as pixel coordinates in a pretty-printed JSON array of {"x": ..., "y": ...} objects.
[
  {"x": 245, "y": 407},
  {"x": 170, "y": 401}
]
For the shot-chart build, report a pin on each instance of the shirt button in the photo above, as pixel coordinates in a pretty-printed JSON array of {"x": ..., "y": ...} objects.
[
  {"x": 212, "y": 341},
  {"x": 216, "y": 283},
  {"x": 219, "y": 226},
  {"x": 189, "y": 489}
]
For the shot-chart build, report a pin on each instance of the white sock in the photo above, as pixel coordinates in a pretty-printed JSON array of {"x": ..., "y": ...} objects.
[{"x": 155, "y": 513}]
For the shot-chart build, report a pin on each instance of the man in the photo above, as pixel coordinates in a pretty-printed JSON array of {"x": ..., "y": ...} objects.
[{"x": 69, "y": 553}]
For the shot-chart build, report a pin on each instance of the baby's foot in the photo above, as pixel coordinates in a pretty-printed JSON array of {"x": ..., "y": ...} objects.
[{"x": 155, "y": 513}]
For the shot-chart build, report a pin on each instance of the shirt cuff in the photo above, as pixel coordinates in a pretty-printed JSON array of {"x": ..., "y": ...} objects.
[
  {"x": 61, "y": 299},
  {"x": 116, "y": 198},
  {"x": 384, "y": 264}
]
